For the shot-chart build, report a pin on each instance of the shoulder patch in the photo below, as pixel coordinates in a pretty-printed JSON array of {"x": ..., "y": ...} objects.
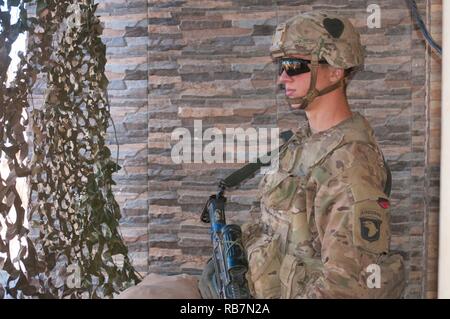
[
  {"x": 371, "y": 229},
  {"x": 371, "y": 213}
]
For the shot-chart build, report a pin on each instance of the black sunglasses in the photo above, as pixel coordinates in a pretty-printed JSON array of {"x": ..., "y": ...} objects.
[{"x": 295, "y": 66}]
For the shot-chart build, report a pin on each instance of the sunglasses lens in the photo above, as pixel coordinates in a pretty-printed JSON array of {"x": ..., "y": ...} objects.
[{"x": 293, "y": 66}]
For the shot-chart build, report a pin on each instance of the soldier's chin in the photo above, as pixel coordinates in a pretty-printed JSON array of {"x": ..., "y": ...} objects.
[{"x": 295, "y": 106}]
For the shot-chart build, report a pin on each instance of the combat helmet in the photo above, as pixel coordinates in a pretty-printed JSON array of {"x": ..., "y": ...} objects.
[{"x": 325, "y": 37}]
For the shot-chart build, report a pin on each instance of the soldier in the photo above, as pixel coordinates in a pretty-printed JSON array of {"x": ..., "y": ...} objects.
[{"x": 324, "y": 230}]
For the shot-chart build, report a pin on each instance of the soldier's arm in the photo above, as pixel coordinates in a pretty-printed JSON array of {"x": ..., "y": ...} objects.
[{"x": 352, "y": 217}]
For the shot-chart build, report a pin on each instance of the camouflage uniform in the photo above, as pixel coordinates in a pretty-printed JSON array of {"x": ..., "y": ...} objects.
[
  {"x": 325, "y": 217},
  {"x": 324, "y": 220}
]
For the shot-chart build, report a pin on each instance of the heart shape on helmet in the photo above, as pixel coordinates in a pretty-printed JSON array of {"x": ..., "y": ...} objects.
[{"x": 335, "y": 27}]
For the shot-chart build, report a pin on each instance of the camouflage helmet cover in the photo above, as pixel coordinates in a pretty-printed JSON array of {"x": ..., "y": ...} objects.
[{"x": 324, "y": 34}]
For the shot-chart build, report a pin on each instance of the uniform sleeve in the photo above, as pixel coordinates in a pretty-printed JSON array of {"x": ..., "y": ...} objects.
[{"x": 351, "y": 217}]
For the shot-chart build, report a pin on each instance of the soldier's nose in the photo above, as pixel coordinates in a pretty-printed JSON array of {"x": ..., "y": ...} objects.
[{"x": 283, "y": 78}]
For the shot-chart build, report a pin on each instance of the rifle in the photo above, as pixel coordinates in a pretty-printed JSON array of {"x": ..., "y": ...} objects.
[{"x": 229, "y": 256}]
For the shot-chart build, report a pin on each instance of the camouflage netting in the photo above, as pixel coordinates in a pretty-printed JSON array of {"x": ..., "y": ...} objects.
[
  {"x": 17, "y": 254},
  {"x": 80, "y": 250}
]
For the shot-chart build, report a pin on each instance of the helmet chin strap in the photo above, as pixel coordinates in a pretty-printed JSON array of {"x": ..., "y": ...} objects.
[{"x": 312, "y": 91}]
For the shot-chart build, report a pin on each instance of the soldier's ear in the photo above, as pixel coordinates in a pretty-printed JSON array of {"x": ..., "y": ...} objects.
[{"x": 335, "y": 74}]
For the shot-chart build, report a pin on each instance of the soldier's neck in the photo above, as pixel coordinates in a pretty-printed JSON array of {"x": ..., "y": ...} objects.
[{"x": 327, "y": 111}]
